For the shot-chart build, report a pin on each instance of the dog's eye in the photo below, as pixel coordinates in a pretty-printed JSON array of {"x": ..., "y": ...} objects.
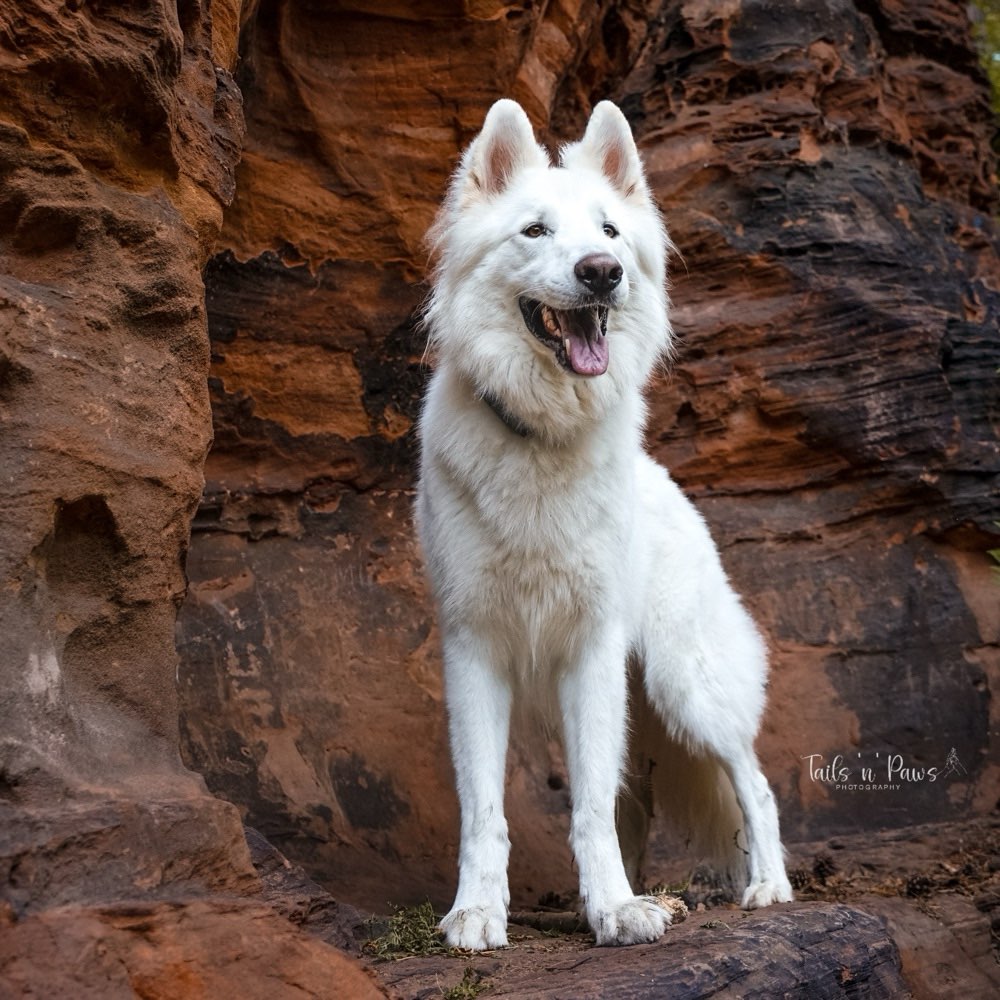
[
  {"x": 533, "y": 231},
  {"x": 610, "y": 231}
]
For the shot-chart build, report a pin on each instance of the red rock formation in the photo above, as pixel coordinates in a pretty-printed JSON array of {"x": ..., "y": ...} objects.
[
  {"x": 119, "y": 133},
  {"x": 118, "y": 140},
  {"x": 829, "y": 181},
  {"x": 834, "y": 405},
  {"x": 204, "y": 948}
]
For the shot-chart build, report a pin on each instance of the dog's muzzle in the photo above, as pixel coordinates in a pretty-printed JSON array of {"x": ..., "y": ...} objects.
[{"x": 578, "y": 337}]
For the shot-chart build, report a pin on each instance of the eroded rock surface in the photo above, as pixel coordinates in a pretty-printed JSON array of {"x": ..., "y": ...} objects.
[
  {"x": 119, "y": 134},
  {"x": 833, "y": 407},
  {"x": 902, "y": 913},
  {"x": 118, "y": 141},
  {"x": 193, "y": 948}
]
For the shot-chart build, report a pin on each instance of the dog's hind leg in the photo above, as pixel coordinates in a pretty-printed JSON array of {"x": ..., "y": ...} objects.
[
  {"x": 479, "y": 702},
  {"x": 708, "y": 692},
  {"x": 689, "y": 791},
  {"x": 768, "y": 882},
  {"x": 592, "y": 698}
]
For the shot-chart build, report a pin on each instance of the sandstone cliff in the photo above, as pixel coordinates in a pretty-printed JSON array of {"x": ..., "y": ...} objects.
[
  {"x": 118, "y": 141},
  {"x": 120, "y": 128}
]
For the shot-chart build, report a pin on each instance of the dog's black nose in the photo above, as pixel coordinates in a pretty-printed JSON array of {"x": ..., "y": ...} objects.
[{"x": 600, "y": 272}]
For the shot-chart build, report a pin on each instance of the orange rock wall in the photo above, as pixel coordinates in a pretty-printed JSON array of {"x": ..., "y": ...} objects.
[
  {"x": 119, "y": 135},
  {"x": 120, "y": 874}
]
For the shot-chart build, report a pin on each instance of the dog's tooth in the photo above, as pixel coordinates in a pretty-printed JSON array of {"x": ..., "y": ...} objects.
[
  {"x": 549, "y": 319},
  {"x": 566, "y": 345}
]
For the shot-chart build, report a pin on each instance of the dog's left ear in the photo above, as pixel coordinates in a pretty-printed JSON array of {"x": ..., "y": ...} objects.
[{"x": 608, "y": 146}]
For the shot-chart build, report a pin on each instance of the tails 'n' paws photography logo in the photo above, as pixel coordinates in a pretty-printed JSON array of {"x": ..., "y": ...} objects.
[{"x": 879, "y": 771}]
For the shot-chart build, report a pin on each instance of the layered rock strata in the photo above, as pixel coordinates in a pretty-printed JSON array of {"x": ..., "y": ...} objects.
[{"x": 120, "y": 128}]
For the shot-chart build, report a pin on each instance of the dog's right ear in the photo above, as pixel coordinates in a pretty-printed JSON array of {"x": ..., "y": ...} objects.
[{"x": 504, "y": 147}]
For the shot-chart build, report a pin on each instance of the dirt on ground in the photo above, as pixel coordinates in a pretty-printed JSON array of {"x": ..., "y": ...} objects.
[{"x": 911, "y": 912}]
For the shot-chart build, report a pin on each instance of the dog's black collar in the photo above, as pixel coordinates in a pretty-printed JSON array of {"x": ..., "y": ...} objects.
[{"x": 512, "y": 423}]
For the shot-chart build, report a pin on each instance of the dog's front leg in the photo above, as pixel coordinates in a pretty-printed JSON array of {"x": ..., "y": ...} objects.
[
  {"x": 594, "y": 703},
  {"x": 479, "y": 700}
]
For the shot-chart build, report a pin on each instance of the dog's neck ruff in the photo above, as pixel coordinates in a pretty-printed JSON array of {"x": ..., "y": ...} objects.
[{"x": 511, "y": 422}]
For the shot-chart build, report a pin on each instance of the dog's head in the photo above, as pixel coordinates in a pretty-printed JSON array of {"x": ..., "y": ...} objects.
[{"x": 557, "y": 272}]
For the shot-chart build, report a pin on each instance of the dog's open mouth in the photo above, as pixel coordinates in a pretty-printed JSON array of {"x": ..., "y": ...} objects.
[{"x": 577, "y": 337}]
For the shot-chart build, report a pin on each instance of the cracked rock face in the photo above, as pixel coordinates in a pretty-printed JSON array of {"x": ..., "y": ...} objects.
[{"x": 838, "y": 316}]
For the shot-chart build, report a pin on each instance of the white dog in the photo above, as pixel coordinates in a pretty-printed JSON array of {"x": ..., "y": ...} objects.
[{"x": 557, "y": 549}]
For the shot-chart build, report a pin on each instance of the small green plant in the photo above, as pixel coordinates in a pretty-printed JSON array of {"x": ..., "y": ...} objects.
[
  {"x": 994, "y": 554},
  {"x": 410, "y": 930},
  {"x": 715, "y": 925},
  {"x": 986, "y": 28},
  {"x": 471, "y": 986}
]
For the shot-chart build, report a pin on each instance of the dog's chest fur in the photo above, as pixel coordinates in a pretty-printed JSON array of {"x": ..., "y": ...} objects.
[{"x": 544, "y": 535}]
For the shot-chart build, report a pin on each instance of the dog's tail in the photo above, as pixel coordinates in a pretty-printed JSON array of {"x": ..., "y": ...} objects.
[{"x": 689, "y": 791}]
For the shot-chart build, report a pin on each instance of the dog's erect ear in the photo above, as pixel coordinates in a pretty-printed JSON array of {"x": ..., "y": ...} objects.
[
  {"x": 608, "y": 146},
  {"x": 505, "y": 146}
]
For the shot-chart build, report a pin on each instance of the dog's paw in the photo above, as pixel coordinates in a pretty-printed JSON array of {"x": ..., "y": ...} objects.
[
  {"x": 636, "y": 921},
  {"x": 476, "y": 928},
  {"x": 767, "y": 891}
]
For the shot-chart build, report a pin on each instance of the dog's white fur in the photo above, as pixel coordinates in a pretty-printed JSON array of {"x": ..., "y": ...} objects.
[{"x": 557, "y": 555}]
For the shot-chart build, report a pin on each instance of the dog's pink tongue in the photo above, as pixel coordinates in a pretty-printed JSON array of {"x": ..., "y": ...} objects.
[{"x": 586, "y": 349}]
